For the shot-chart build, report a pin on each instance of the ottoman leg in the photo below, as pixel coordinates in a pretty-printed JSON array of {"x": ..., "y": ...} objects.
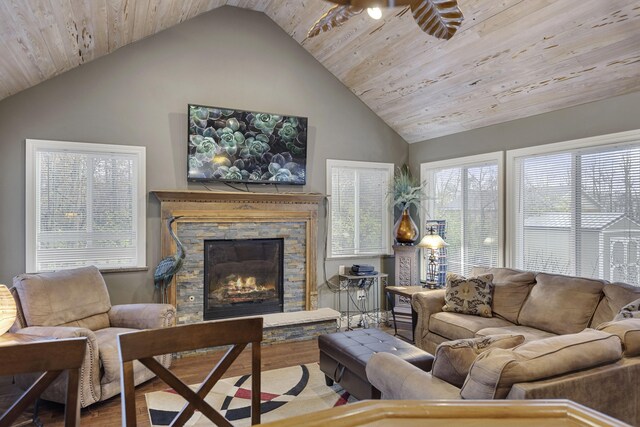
[{"x": 328, "y": 381}]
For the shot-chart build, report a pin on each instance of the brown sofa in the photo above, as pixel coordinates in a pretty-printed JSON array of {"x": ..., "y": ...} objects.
[
  {"x": 556, "y": 315},
  {"x": 75, "y": 303}
]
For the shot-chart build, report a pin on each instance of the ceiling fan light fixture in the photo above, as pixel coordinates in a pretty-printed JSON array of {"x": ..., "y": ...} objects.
[{"x": 374, "y": 12}]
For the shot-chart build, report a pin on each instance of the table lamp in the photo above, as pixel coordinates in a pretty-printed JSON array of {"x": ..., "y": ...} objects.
[
  {"x": 7, "y": 309},
  {"x": 432, "y": 241}
]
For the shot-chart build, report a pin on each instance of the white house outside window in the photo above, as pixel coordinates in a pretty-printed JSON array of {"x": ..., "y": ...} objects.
[
  {"x": 467, "y": 193},
  {"x": 85, "y": 205},
  {"x": 575, "y": 207},
  {"x": 360, "y": 213}
]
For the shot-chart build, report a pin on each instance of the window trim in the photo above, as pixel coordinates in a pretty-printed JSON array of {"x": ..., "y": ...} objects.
[
  {"x": 607, "y": 140},
  {"x": 34, "y": 145},
  {"x": 389, "y": 167},
  {"x": 461, "y": 162}
]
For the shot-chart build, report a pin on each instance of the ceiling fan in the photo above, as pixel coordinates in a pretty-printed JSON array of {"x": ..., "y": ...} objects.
[{"x": 439, "y": 18}]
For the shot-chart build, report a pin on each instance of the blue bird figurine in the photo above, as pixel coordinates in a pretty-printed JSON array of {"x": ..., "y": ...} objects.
[{"x": 170, "y": 265}]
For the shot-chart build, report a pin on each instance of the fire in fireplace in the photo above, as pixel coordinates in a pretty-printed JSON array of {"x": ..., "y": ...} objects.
[{"x": 243, "y": 277}]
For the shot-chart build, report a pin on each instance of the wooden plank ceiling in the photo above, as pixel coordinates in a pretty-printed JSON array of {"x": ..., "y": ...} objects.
[{"x": 510, "y": 59}]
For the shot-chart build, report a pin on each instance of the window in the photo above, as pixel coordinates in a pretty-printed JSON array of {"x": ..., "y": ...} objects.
[
  {"x": 359, "y": 217},
  {"x": 576, "y": 207},
  {"x": 85, "y": 205},
  {"x": 467, "y": 194}
]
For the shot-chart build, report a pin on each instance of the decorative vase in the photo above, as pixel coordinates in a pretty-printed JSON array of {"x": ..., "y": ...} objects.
[{"x": 405, "y": 230}]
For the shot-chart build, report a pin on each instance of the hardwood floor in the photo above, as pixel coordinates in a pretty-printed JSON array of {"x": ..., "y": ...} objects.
[{"x": 191, "y": 370}]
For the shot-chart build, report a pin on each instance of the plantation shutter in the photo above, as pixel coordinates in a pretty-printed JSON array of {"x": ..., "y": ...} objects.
[
  {"x": 578, "y": 212},
  {"x": 466, "y": 196},
  {"x": 359, "y": 208},
  {"x": 86, "y": 209}
]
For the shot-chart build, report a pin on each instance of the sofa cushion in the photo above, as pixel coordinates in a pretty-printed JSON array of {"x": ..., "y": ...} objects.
[
  {"x": 616, "y": 296},
  {"x": 455, "y": 325},
  {"x": 561, "y": 304},
  {"x": 628, "y": 330},
  {"x": 471, "y": 295},
  {"x": 529, "y": 334},
  {"x": 454, "y": 358},
  {"x": 629, "y": 311},
  {"x": 510, "y": 289},
  {"x": 52, "y": 299},
  {"x": 495, "y": 371}
]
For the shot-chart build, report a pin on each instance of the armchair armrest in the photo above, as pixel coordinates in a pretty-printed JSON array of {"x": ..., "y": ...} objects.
[
  {"x": 142, "y": 316},
  {"x": 425, "y": 304},
  {"x": 397, "y": 379},
  {"x": 89, "y": 372}
]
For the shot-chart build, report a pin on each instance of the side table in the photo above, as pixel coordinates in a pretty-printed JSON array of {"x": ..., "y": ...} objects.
[
  {"x": 407, "y": 292},
  {"x": 359, "y": 289}
]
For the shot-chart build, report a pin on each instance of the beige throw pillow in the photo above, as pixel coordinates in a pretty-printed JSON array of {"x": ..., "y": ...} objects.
[
  {"x": 628, "y": 330},
  {"x": 472, "y": 295},
  {"x": 495, "y": 371},
  {"x": 453, "y": 359},
  {"x": 629, "y": 311}
]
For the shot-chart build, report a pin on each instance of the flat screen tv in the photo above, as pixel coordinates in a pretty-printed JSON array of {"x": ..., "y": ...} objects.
[{"x": 246, "y": 146}]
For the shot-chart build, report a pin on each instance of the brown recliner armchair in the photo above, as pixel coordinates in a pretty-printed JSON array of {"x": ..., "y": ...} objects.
[{"x": 75, "y": 303}]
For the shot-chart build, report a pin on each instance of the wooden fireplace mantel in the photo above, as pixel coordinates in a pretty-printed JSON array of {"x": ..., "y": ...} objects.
[
  {"x": 236, "y": 197},
  {"x": 238, "y": 207}
]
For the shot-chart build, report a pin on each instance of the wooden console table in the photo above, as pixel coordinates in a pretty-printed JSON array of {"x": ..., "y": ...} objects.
[{"x": 461, "y": 413}]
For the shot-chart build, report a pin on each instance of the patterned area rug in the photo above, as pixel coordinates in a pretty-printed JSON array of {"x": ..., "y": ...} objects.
[{"x": 285, "y": 393}]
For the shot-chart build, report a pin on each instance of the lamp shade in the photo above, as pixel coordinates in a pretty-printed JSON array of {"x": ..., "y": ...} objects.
[
  {"x": 432, "y": 241},
  {"x": 7, "y": 309}
]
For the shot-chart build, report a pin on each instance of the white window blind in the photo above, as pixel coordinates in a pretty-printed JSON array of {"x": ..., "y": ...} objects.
[
  {"x": 359, "y": 217},
  {"x": 466, "y": 193},
  {"x": 85, "y": 205},
  {"x": 577, "y": 208}
]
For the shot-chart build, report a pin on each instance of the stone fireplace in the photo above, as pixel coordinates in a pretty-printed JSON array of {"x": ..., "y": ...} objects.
[
  {"x": 222, "y": 231},
  {"x": 243, "y": 277}
]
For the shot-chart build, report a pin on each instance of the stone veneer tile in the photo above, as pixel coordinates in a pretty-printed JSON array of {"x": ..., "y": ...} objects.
[{"x": 190, "y": 280}]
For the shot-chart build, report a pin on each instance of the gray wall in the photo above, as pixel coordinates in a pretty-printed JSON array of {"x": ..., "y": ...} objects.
[
  {"x": 596, "y": 118},
  {"x": 138, "y": 96}
]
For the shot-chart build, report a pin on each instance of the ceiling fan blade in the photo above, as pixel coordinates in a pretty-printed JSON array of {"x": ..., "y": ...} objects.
[
  {"x": 439, "y": 18},
  {"x": 334, "y": 17}
]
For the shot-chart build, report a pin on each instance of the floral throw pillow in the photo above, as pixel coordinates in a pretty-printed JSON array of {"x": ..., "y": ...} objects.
[
  {"x": 629, "y": 311},
  {"x": 472, "y": 295}
]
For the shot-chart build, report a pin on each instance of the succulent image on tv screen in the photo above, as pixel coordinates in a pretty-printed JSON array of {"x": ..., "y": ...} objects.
[{"x": 245, "y": 146}]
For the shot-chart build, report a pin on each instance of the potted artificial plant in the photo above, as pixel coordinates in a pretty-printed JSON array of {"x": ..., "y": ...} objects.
[{"x": 406, "y": 192}]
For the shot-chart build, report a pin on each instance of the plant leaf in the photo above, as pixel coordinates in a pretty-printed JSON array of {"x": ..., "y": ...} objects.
[
  {"x": 334, "y": 17},
  {"x": 439, "y": 18}
]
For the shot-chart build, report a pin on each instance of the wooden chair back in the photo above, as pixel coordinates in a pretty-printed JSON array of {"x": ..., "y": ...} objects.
[
  {"x": 144, "y": 345},
  {"x": 52, "y": 358}
]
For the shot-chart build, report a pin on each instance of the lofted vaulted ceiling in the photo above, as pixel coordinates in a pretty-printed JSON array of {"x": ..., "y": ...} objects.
[{"x": 510, "y": 59}]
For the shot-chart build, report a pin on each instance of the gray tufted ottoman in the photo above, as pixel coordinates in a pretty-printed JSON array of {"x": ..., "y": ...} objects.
[{"x": 344, "y": 356}]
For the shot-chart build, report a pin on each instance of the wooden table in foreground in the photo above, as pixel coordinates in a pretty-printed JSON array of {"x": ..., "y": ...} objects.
[
  {"x": 461, "y": 413},
  {"x": 10, "y": 393}
]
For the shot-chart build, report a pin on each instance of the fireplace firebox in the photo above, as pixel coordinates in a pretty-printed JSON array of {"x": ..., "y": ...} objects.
[{"x": 243, "y": 277}]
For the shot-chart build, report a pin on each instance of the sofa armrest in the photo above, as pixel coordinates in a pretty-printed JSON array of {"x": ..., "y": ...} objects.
[
  {"x": 425, "y": 304},
  {"x": 397, "y": 379},
  {"x": 142, "y": 316},
  {"x": 611, "y": 389},
  {"x": 89, "y": 372}
]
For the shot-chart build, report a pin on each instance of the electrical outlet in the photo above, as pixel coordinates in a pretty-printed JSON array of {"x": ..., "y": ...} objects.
[
  {"x": 342, "y": 269},
  {"x": 361, "y": 295}
]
